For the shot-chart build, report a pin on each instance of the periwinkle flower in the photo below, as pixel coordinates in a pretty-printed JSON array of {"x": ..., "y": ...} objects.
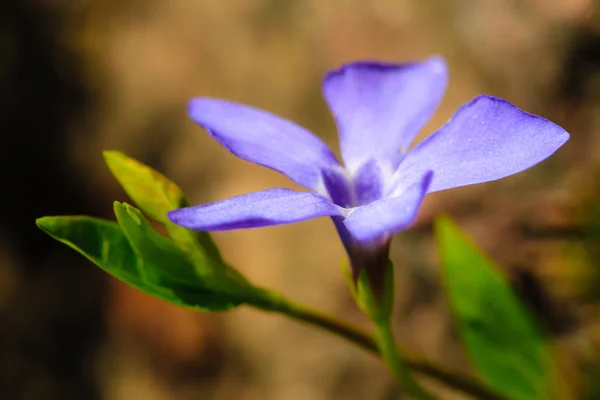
[{"x": 378, "y": 108}]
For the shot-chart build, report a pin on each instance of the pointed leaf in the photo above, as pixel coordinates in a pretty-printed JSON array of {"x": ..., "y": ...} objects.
[
  {"x": 162, "y": 251},
  {"x": 502, "y": 339},
  {"x": 156, "y": 195},
  {"x": 105, "y": 244},
  {"x": 151, "y": 245}
]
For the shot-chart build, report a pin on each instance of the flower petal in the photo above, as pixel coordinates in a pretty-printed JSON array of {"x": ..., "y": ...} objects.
[
  {"x": 487, "y": 139},
  {"x": 265, "y": 208},
  {"x": 266, "y": 139},
  {"x": 385, "y": 217},
  {"x": 369, "y": 183},
  {"x": 379, "y": 108}
]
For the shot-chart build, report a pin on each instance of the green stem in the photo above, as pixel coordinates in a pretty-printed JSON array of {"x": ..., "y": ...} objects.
[
  {"x": 375, "y": 297},
  {"x": 465, "y": 383},
  {"x": 389, "y": 352}
]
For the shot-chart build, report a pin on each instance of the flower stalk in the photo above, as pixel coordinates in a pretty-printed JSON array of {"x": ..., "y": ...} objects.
[
  {"x": 465, "y": 383},
  {"x": 396, "y": 363},
  {"x": 376, "y": 300}
]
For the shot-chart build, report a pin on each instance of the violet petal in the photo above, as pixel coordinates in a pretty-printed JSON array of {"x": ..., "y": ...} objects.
[
  {"x": 487, "y": 139},
  {"x": 382, "y": 218},
  {"x": 264, "y": 208},
  {"x": 265, "y": 139},
  {"x": 379, "y": 107}
]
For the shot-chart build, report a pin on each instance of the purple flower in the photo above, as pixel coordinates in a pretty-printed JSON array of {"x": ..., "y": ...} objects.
[{"x": 379, "y": 109}]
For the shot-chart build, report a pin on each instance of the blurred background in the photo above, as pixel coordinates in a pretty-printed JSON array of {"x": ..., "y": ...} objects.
[{"x": 78, "y": 77}]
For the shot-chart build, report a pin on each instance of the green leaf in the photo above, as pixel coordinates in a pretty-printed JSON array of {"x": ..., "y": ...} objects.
[
  {"x": 105, "y": 244},
  {"x": 151, "y": 245},
  {"x": 156, "y": 195},
  {"x": 502, "y": 339}
]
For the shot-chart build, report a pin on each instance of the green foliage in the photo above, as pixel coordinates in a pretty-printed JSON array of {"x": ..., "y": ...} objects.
[
  {"x": 502, "y": 339},
  {"x": 185, "y": 269},
  {"x": 151, "y": 245},
  {"x": 156, "y": 195},
  {"x": 150, "y": 190},
  {"x": 106, "y": 245}
]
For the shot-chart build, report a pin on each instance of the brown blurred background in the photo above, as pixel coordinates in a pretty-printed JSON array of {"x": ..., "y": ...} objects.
[{"x": 77, "y": 77}]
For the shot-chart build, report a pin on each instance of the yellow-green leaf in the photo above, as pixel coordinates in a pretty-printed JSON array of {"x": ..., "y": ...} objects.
[{"x": 156, "y": 195}]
